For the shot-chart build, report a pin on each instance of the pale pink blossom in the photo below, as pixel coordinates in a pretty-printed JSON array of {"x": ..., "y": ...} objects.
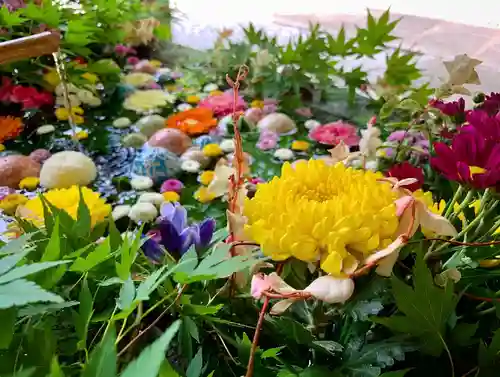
[
  {"x": 334, "y": 133},
  {"x": 222, "y": 105}
]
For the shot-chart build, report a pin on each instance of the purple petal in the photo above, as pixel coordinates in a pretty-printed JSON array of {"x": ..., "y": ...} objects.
[
  {"x": 175, "y": 213},
  {"x": 464, "y": 172},
  {"x": 167, "y": 210},
  {"x": 206, "y": 231},
  {"x": 170, "y": 237},
  {"x": 152, "y": 249},
  {"x": 188, "y": 237}
]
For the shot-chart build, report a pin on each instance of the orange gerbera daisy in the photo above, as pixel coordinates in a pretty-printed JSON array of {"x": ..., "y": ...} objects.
[
  {"x": 193, "y": 122},
  {"x": 10, "y": 127}
]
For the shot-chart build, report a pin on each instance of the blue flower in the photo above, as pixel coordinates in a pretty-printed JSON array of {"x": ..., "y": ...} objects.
[{"x": 175, "y": 235}]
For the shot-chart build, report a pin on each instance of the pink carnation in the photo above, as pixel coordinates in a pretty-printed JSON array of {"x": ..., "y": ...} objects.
[
  {"x": 222, "y": 105},
  {"x": 334, "y": 133},
  {"x": 133, "y": 60}
]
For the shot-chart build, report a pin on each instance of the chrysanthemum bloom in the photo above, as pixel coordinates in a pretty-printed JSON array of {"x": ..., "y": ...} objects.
[
  {"x": 455, "y": 109},
  {"x": 491, "y": 103},
  {"x": 471, "y": 160},
  {"x": 487, "y": 126},
  {"x": 222, "y": 105},
  {"x": 193, "y": 122},
  {"x": 315, "y": 212},
  {"x": 68, "y": 200},
  {"x": 334, "y": 133},
  {"x": 407, "y": 170},
  {"x": 10, "y": 128},
  {"x": 143, "y": 101}
]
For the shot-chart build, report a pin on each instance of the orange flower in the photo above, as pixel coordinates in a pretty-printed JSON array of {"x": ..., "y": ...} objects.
[
  {"x": 10, "y": 127},
  {"x": 193, "y": 121}
]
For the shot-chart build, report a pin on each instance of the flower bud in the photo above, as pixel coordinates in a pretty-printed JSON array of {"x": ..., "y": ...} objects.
[{"x": 331, "y": 289}]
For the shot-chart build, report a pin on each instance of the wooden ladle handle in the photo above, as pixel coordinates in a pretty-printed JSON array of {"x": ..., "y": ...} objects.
[{"x": 40, "y": 44}]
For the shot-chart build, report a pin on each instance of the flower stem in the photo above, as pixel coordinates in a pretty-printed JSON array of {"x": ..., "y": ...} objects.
[
  {"x": 255, "y": 341},
  {"x": 449, "y": 209}
]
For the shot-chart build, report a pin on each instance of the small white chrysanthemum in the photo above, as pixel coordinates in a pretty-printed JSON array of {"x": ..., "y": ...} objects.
[
  {"x": 227, "y": 145},
  {"x": 45, "y": 129},
  {"x": 184, "y": 107},
  {"x": 121, "y": 211},
  {"x": 284, "y": 154},
  {"x": 75, "y": 130},
  {"x": 311, "y": 124},
  {"x": 210, "y": 87},
  {"x": 140, "y": 183},
  {"x": 143, "y": 212},
  {"x": 191, "y": 166},
  {"x": 122, "y": 122},
  {"x": 154, "y": 198}
]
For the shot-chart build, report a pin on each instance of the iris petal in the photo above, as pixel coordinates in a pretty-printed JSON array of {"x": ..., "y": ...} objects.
[
  {"x": 152, "y": 249},
  {"x": 206, "y": 231},
  {"x": 170, "y": 237}
]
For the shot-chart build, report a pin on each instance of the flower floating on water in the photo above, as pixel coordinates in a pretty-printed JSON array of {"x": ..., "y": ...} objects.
[
  {"x": 63, "y": 114},
  {"x": 212, "y": 150},
  {"x": 222, "y": 105},
  {"x": 143, "y": 101},
  {"x": 10, "y": 128},
  {"x": 315, "y": 212},
  {"x": 29, "y": 183},
  {"x": 334, "y": 133},
  {"x": 67, "y": 200},
  {"x": 193, "y": 122},
  {"x": 171, "y": 184},
  {"x": 407, "y": 170},
  {"x": 10, "y": 202},
  {"x": 175, "y": 235}
]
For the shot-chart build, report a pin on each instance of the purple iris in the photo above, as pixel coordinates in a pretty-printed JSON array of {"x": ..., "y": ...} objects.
[{"x": 175, "y": 235}]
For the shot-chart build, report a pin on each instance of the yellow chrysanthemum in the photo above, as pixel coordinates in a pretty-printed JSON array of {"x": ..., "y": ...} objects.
[
  {"x": 203, "y": 195},
  {"x": 192, "y": 99},
  {"x": 155, "y": 63},
  {"x": 29, "y": 183},
  {"x": 257, "y": 103},
  {"x": 206, "y": 177},
  {"x": 142, "y": 101},
  {"x": 212, "y": 150},
  {"x": 171, "y": 196},
  {"x": 68, "y": 200},
  {"x": 63, "y": 114},
  {"x": 333, "y": 214},
  {"x": 426, "y": 198},
  {"x": 300, "y": 145},
  {"x": 10, "y": 203},
  {"x": 52, "y": 78}
]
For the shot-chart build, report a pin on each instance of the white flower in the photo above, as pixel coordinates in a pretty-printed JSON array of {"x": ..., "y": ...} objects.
[
  {"x": 331, "y": 290},
  {"x": 94, "y": 102},
  {"x": 140, "y": 183},
  {"x": 120, "y": 211},
  {"x": 45, "y": 129},
  {"x": 210, "y": 87},
  {"x": 220, "y": 183},
  {"x": 284, "y": 154},
  {"x": 227, "y": 145},
  {"x": 60, "y": 89},
  {"x": 75, "y": 130},
  {"x": 73, "y": 100},
  {"x": 154, "y": 198},
  {"x": 190, "y": 166},
  {"x": 311, "y": 124},
  {"x": 122, "y": 122},
  {"x": 143, "y": 212},
  {"x": 184, "y": 107},
  {"x": 255, "y": 48},
  {"x": 371, "y": 165}
]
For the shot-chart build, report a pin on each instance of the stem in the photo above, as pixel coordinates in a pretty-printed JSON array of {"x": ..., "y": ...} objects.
[
  {"x": 449, "y": 209},
  {"x": 449, "y": 356},
  {"x": 255, "y": 340}
]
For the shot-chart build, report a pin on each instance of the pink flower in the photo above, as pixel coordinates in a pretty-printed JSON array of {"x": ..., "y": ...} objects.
[
  {"x": 222, "y": 105},
  {"x": 257, "y": 180},
  {"x": 254, "y": 115},
  {"x": 270, "y": 106},
  {"x": 121, "y": 50},
  {"x": 266, "y": 144},
  {"x": 172, "y": 185},
  {"x": 334, "y": 133},
  {"x": 132, "y": 60},
  {"x": 6, "y": 89},
  {"x": 30, "y": 97},
  {"x": 304, "y": 111}
]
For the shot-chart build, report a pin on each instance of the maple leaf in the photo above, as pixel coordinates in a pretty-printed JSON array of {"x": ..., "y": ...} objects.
[
  {"x": 425, "y": 309},
  {"x": 462, "y": 70}
]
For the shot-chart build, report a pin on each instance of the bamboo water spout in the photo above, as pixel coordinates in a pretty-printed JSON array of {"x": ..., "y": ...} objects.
[{"x": 45, "y": 43}]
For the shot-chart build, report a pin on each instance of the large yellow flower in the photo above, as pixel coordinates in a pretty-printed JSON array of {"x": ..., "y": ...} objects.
[
  {"x": 138, "y": 79},
  {"x": 315, "y": 212},
  {"x": 142, "y": 101},
  {"x": 68, "y": 200}
]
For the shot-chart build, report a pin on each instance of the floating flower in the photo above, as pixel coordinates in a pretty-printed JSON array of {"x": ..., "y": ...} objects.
[
  {"x": 315, "y": 212},
  {"x": 203, "y": 195},
  {"x": 300, "y": 145},
  {"x": 29, "y": 183},
  {"x": 470, "y": 160},
  {"x": 67, "y": 200},
  {"x": 143, "y": 101},
  {"x": 45, "y": 129},
  {"x": 143, "y": 212},
  {"x": 311, "y": 124},
  {"x": 10, "y": 202},
  {"x": 171, "y": 196},
  {"x": 284, "y": 154},
  {"x": 334, "y": 133},
  {"x": 206, "y": 177},
  {"x": 63, "y": 114},
  {"x": 212, "y": 150},
  {"x": 10, "y": 128},
  {"x": 175, "y": 235},
  {"x": 192, "y": 99},
  {"x": 223, "y": 105},
  {"x": 193, "y": 122},
  {"x": 138, "y": 79},
  {"x": 407, "y": 170},
  {"x": 171, "y": 184},
  {"x": 190, "y": 166}
]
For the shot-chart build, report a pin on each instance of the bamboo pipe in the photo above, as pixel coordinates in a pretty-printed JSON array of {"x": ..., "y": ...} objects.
[{"x": 45, "y": 43}]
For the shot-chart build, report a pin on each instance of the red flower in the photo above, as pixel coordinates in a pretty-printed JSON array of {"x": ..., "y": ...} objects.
[
  {"x": 30, "y": 97},
  {"x": 407, "y": 170},
  {"x": 80, "y": 60},
  {"x": 6, "y": 89}
]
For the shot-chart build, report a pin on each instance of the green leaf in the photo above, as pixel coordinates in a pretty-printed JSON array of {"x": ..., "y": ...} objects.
[
  {"x": 100, "y": 254},
  {"x": 15, "y": 246},
  {"x": 10, "y": 19},
  {"x": 9, "y": 262},
  {"x": 83, "y": 223},
  {"x": 329, "y": 346},
  {"x": 85, "y": 312},
  {"x": 271, "y": 352},
  {"x": 127, "y": 295},
  {"x": 28, "y": 269},
  {"x": 55, "y": 369},
  {"x": 103, "y": 358},
  {"x": 21, "y": 292},
  {"x": 32, "y": 310},
  {"x": 8, "y": 321},
  {"x": 149, "y": 285},
  {"x": 426, "y": 309},
  {"x": 409, "y": 104},
  {"x": 462, "y": 334},
  {"x": 24, "y": 373},
  {"x": 396, "y": 373},
  {"x": 150, "y": 360},
  {"x": 191, "y": 328},
  {"x": 163, "y": 32},
  {"x": 167, "y": 370},
  {"x": 53, "y": 249},
  {"x": 196, "y": 365}
]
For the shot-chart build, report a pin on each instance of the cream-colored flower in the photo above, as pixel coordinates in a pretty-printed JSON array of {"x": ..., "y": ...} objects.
[
  {"x": 227, "y": 145},
  {"x": 311, "y": 124},
  {"x": 138, "y": 79},
  {"x": 45, "y": 129},
  {"x": 73, "y": 99},
  {"x": 284, "y": 154},
  {"x": 220, "y": 183},
  {"x": 184, "y": 107},
  {"x": 210, "y": 87},
  {"x": 143, "y": 101},
  {"x": 120, "y": 211},
  {"x": 190, "y": 166},
  {"x": 140, "y": 183},
  {"x": 143, "y": 212}
]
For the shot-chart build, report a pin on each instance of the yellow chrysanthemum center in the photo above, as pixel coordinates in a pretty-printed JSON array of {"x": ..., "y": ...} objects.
[
  {"x": 476, "y": 170},
  {"x": 316, "y": 212},
  {"x": 68, "y": 200}
]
